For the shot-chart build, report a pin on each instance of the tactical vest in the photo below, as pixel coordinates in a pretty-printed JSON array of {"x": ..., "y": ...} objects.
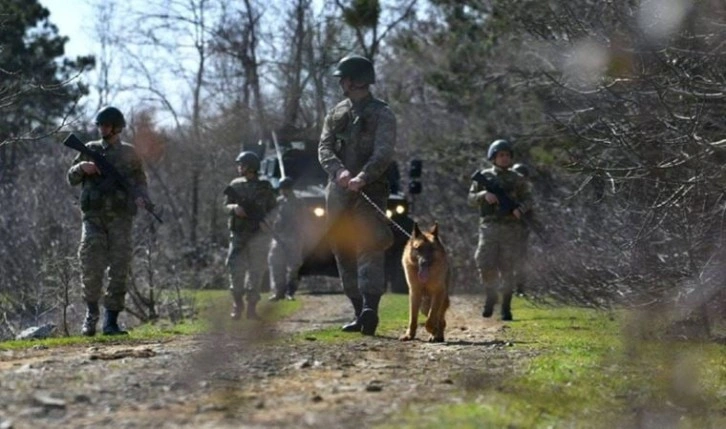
[
  {"x": 507, "y": 180},
  {"x": 355, "y": 132},
  {"x": 258, "y": 198},
  {"x": 103, "y": 195}
]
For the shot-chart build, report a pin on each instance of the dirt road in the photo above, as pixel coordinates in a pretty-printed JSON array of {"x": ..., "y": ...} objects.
[{"x": 246, "y": 380}]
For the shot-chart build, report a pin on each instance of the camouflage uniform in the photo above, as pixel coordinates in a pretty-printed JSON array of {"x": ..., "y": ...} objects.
[
  {"x": 249, "y": 243},
  {"x": 500, "y": 234},
  {"x": 359, "y": 137},
  {"x": 108, "y": 210},
  {"x": 285, "y": 257}
]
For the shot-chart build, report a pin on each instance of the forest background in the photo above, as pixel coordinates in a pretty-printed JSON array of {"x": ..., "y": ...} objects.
[{"x": 617, "y": 107}]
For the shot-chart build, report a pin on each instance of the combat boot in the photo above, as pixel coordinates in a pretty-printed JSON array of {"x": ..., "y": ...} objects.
[
  {"x": 110, "y": 324},
  {"x": 507, "y": 306},
  {"x": 275, "y": 298},
  {"x": 369, "y": 316},
  {"x": 252, "y": 311},
  {"x": 291, "y": 288},
  {"x": 237, "y": 307},
  {"x": 491, "y": 301},
  {"x": 92, "y": 316},
  {"x": 354, "y": 325}
]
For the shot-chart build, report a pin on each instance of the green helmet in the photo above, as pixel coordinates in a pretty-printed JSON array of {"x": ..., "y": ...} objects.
[
  {"x": 249, "y": 160},
  {"x": 499, "y": 145},
  {"x": 521, "y": 169},
  {"x": 357, "y": 68},
  {"x": 110, "y": 116}
]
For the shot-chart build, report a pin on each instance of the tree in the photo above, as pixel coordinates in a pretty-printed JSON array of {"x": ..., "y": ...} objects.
[
  {"x": 626, "y": 96},
  {"x": 365, "y": 18},
  {"x": 36, "y": 81}
]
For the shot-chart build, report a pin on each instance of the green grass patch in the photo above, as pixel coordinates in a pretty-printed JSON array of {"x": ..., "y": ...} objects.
[
  {"x": 394, "y": 315},
  {"x": 211, "y": 311},
  {"x": 587, "y": 370}
]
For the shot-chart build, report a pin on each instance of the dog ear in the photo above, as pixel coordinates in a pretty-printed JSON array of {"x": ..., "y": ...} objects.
[
  {"x": 415, "y": 232},
  {"x": 435, "y": 230}
]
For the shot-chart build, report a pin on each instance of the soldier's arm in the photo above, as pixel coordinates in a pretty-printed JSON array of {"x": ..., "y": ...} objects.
[
  {"x": 326, "y": 148},
  {"x": 475, "y": 194},
  {"x": 75, "y": 174},
  {"x": 383, "y": 147},
  {"x": 524, "y": 195},
  {"x": 229, "y": 205}
]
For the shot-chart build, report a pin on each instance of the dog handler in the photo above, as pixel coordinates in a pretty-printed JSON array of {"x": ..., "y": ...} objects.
[
  {"x": 356, "y": 147},
  {"x": 499, "y": 232}
]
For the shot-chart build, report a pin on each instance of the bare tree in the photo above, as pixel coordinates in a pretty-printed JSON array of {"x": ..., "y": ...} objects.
[
  {"x": 237, "y": 37},
  {"x": 364, "y": 17},
  {"x": 106, "y": 30}
]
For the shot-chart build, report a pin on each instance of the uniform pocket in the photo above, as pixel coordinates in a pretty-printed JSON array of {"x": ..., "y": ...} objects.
[{"x": 91, "y": 199}]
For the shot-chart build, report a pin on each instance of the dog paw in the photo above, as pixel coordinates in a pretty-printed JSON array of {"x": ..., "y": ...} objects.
[
  {"x": 435, "y": 339},
  {"x": 405, "y": 337}
]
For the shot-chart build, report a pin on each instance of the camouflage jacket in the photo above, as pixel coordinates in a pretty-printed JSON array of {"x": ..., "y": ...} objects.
[
  {"x": 258, "y": 199},
  {"x": 101, "y": 195},
  {"x": 359, "y": 137},
  {"x": 512, "y": 183}
]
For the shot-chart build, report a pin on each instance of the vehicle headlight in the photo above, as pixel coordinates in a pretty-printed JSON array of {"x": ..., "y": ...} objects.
[
  {"x": 400, "y": 209},
  {"x": 389, "y": 213},
  {"x": 319, "y": 212}
]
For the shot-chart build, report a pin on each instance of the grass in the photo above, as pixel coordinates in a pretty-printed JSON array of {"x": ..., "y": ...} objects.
[
  {"x": 394, "y": 307},
  {"x": 212, "y": 307},
  {"x": 587, "y": 369}
]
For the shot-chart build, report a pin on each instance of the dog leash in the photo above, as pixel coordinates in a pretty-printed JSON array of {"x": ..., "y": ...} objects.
[{"x": 380, "y": 210}]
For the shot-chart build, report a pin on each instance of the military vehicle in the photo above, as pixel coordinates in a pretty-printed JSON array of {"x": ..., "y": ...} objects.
[{"x": 300, "y": 162}]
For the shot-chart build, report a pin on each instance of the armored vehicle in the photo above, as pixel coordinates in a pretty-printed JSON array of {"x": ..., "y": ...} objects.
[{"x": 300, "y": 162}]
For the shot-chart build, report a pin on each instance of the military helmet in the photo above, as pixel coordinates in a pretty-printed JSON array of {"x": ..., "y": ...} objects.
[
  {"x": 499, "y": 145},
  {"x": 521, "y": 169},
  {"x": 249, "y": 160},
  {"x": 110, "y": 116},
  {"x": 357, "y": 68},
  {"x": 286, "y": 183}
]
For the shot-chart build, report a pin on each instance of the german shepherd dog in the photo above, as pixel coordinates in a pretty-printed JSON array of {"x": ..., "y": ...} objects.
[{"x": 427, "y": 274}]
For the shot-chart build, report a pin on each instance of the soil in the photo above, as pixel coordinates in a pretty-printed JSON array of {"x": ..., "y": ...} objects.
[{"x": 259, "y": 376}]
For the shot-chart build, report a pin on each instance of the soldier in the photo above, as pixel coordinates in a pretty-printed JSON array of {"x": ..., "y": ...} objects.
[
  {"x": 356, "y": 147},
  {"x": 499, "y": 231},
  {"x": 285, "y": 256},
  {"x": 521, "y": 267},
  {"x": 248, "y": 200},
  {"x": 108, "y": 212}
]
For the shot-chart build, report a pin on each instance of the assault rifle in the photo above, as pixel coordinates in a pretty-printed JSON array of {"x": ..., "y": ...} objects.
[
  {"x": 110, "y": 172},
  {"x": 506, "y": 204}
]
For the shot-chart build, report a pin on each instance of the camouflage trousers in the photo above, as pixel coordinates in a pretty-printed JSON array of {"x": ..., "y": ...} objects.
[
  {"x": 246, "y": 261},
  {"x": 284, "y": 259},
  {"x": 497, "y": 254},
  {"x": 106, "y": 243},
  {"x": 359, "y": 237}
]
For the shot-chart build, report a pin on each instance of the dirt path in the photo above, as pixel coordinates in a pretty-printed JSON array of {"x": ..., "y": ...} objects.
[{"x": 245, "y": 380}]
